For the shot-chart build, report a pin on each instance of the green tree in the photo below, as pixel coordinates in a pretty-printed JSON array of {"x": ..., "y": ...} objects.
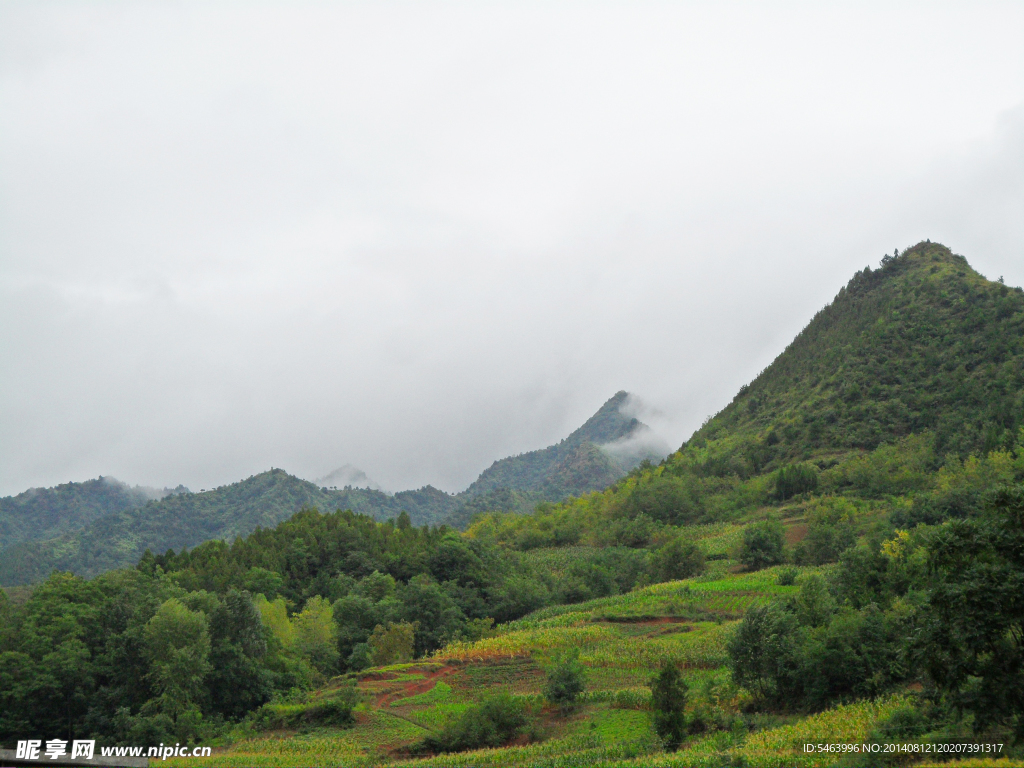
[
  {"x": 678, "y": 559},
  {"x": 815, "y": 605},
  {"x": 566, "y": 680},
  {"x": 764, "y": 653},
  {"x": 763, "y": 544},
  {"x": 794, "y": 479},
  {"x": 974, "y": 643},
  {"x": 178, "y": 647},
  {"x": 668, "y": 699},
  {"x": 393, "y": 643},
  {"x": 316, "y": 635}
]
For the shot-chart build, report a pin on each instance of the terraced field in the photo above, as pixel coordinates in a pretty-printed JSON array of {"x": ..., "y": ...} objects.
[{"x": 621, "y": 640}]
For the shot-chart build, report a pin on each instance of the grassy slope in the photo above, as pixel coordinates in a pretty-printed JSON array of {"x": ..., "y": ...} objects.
[{"x": 621, "y": 639}]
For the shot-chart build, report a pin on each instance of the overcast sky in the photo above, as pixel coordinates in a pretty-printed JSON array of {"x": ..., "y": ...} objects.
[{"x": 419, "y": 237}]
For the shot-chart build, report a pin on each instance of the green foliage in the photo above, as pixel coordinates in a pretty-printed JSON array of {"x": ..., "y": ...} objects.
[
  {"x": 120, "y": 538},
  {"x": 494, "y": 721},
  {"x": 763, "y": 654},
  {"x": 678, "y": 559},
  {"x": 177, "y": 643},
  {"x": 763, "y": 544},
  {"x": 787, "y": 577},
  {"x": 668, "y": 700},
  {"x": 794, "y": 479},
  {"x": 316, "y": 635},
  {"x": 45, "y": 513},
  {"x": 334, "y": 711},
  {"x": 974, "y": 641},
  {"x": 391, "y": 644},
  {"x": 566, "y": 681}
]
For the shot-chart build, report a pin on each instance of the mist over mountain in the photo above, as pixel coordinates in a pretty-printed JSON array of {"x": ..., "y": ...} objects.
[
  {"x": 347, "y": 475},
  {"x": 101, "y": 525},
  {"x": 43, "y": 513}
]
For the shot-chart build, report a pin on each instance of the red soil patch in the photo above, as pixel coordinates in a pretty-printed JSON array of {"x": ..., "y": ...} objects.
[
  {"x": 795, "y": 534},
  {"x": 414, "y": 687}
]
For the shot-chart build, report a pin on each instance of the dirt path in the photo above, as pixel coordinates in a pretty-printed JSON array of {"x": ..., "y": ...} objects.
[{"x": 413, "y": 687}]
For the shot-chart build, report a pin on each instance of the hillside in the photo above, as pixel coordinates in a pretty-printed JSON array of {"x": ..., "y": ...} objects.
[
  {"x": 187, "y": 519},
  {"x": 45, "y": 513},
  {"x": 765, "y": 587},
  {"x": 572, "y": 466},
  {"x": 81, "y": 535},
  {"x": 923, "y": 343}
]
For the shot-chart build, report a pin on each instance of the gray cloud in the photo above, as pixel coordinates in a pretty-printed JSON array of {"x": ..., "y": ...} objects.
[{"x": 419, "y": 237}]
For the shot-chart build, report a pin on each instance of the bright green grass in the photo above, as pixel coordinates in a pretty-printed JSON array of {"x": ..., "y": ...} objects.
[{"x": 439, "y": 694}]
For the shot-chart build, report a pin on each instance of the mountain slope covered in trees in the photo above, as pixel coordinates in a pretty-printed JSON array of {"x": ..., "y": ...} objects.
[
  {"x": 891, "y": 389},
  {"x": 769, "y": 585},
  {"x": 87, "y": 538},
  {"x": 44, "y": 513}
]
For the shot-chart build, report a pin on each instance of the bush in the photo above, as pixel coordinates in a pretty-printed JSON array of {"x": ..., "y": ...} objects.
[
  {"x": 566, "y": 681},
  {"x": 392, "y": 643},
  {"x": 334, "y": 711},
  {"x": 491, "y": 723},
  {"x": 824, "y": 543},
  {"x": 787, "y": 577},
  {"x": 668, "y": 700},
  {"x": 679, "y": 559},
  {"x": 763, "y": 545}
]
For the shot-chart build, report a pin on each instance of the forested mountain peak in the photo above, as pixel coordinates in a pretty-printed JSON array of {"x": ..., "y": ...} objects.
[
  {"x": 48, "y": 512},
  {"x": 575, "y": 465},
  {"x": 923, "y": 342},
  {"x": 610, "y": 423}
]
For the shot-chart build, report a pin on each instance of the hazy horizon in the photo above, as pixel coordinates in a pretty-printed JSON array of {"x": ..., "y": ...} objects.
[{"x": 416, "y": 238}]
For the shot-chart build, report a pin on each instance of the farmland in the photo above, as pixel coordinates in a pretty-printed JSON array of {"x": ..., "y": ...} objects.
[{"x": 620, "y": 639}]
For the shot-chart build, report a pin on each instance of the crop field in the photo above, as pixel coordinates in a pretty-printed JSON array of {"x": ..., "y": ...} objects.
[{"x": 622, "y": 640}]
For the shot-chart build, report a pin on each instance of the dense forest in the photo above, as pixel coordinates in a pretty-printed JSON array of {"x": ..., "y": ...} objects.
[
  {"x": 44, "y": 513},
  {"x": 843, "y": 545}
]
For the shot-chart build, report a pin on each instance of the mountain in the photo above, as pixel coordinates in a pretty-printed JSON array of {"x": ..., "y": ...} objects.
[
  {"x": 573, "y": 466},
  {"x": 187, "y": 519},
  {"x": 347, "y": 475},
  {"x": 905, "y": 394},
  {"x": 45, "y": 513},
  {"x": 118, "y": 536},
  {"x": 923, "y": 343}
]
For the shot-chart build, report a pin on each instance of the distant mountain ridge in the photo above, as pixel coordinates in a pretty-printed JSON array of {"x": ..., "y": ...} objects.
[
  {"x": 44, "y": 513},
  {"x": 572, "y": 465},
  {"x": 97, "y": 538}
]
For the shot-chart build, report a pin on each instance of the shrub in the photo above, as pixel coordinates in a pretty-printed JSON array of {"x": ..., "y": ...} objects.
[
  {"x": 679, "y": 559},
  {"x": 566, "y": 681},
  {"x": 392, "y": 643},
  {"x": 491, "y": 723},
  {"x": 763, "y": 545},
  {"x": 334, "y": 711},
  {"x": 787, "y": 577},
  {"x": 668, "y": 699}
]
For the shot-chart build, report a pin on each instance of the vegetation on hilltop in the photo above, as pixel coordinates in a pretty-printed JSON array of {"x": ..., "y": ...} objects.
[
  {"x": 45, "y": 513},
  {"x": 838, "y": 562},
  {"x": 90, "y": 528},
  {"x": 188, "y": 519},
  {"x": 907, "y": 392}
]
